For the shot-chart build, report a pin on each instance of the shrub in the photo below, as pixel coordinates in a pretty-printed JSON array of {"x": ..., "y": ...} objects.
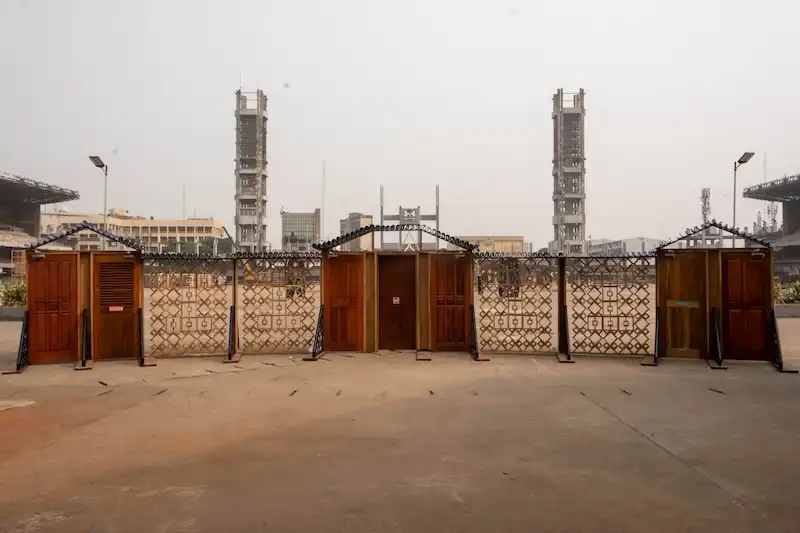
[
  {"x": 788, "y": 293},
  {"x": 13, "y": 294}
]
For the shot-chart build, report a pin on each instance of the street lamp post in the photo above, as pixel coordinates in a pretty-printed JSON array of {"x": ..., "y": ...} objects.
[
  {"x": 736, "y": 164},
  {"x": 99, "y": 164}
]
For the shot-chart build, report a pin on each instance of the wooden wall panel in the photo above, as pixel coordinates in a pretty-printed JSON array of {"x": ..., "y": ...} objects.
[
  {"x": 370, "y": 303},
  {"x": 423, "y": 302}
]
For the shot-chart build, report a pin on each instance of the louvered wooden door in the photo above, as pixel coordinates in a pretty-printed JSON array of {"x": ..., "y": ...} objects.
[{"x": 116, "y": 297}]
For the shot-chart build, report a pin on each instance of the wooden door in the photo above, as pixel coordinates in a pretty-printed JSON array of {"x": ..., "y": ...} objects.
[
  {"x": 53, "y": 309},
  {"x": 685, "y": 304},
  {"x": 116, "y": 293},
  {"x": 344, "y": 302},
  {"x": 397, "y": 302},
  {"x": 451, "y": 297},
  {"x": 746, "y": 287}
]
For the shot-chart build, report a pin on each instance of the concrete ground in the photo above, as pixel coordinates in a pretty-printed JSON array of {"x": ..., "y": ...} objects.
[{"x": 385, "y": 443}]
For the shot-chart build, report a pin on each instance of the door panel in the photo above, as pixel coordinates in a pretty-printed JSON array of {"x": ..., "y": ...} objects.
[
  {"x": 746, "y": 289},
  {"x": 450, "y": 300},
  {"x": 53, "y": 309},
  {"x": 397, "y": 315},
  {"x": 344, "y": 302},
  {"x": 685, "y": 297},
  {"x": 115, "y": 303}
]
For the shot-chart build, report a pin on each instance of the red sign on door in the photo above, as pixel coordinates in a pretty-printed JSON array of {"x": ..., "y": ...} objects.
[{"x": 115, "y": 309}]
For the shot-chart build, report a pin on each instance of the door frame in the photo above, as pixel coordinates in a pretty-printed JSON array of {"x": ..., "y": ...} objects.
[
  {"x": 360, "y": 305},
  {"x": 725, "y": 255},
  {"x": 94, "y": 303},
  {"x": 662, "y": 299},
  {"x": 378, "y": 256},
  {"x": 34, "y": 257},
  {"x": 468, "y": 296}
]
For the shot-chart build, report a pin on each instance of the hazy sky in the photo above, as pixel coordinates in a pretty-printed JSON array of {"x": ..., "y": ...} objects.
[{"x": 407, "y": 94}]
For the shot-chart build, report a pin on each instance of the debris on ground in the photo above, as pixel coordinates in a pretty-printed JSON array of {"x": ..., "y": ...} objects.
[
  {"x": 626, "y": 392},
  {"x": 338, "y": 393},
  {"x": 106, "y": 392},
  {"x": 211, "y": 371},
  {"x": 432, "y": 393},
  {"x": 293, "y": 392},
  {"x": 716, "y": 390},
  {"x": 103, "y": 383},
  {"x": 162, "y": 391}
]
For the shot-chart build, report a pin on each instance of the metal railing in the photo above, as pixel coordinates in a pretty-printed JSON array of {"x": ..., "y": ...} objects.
[
  {"x": 318, "y": 347},
  {"x": 473, "y": 334},
  {"x": 22, "y": 350},
  {"x": 717, "y": 347},
  {"x": 86, "y": 347}
]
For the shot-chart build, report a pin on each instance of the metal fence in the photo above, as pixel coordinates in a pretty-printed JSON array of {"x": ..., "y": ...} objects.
[
  {"x": 516, "y": 299},
  {"x": 602, "y": 305},
  {"x": 524, "y": 303},
  {"x": 190, "y": 303}
]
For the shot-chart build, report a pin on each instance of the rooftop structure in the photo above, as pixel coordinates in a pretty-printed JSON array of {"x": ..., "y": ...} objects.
[
  {"x": 251, "y": 171},
  {"x": 569, "y": 173},
  {"x": 410, "y": 239},
  {"x": 21, "y": 201}
]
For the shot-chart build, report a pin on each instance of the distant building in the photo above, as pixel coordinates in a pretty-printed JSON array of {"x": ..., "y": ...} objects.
[
  {"x": 191, "y": 235},
  {"x": 353, "y": 222},
  {"x": 300, "y": 230},
  {"x": 497, "y": 244},
  {"x": 601, "y": 247}
]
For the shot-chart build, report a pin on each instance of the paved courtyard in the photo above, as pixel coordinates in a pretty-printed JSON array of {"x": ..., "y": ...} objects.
[{"x": 384, "y": 443}]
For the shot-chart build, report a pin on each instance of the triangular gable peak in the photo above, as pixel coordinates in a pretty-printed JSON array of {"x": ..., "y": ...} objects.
[
  {"x": 372, "y": 228},
  {"x": 124, "y": 241},
  {"x": 713, "y": 234}
]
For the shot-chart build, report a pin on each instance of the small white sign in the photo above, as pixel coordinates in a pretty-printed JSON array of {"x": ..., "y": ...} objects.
[{"x": 396, "y": 300}]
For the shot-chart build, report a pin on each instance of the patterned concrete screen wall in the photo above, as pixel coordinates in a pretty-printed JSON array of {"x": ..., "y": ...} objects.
[
  {"x": 611, "y": 304},
  {"x": 277, "y": 303},
  {"x": 516, "y": 303},
  {"x": 187, "y": 305}
]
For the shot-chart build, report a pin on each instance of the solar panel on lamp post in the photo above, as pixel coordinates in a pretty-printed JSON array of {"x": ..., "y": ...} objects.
[
  {"x": 99, "y": 164},
  {"x": 736, "y": 164}
]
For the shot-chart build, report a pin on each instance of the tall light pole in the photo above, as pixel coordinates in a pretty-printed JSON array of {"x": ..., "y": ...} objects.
[
  {"x": 99, "y": 164},
  {"x": 736, "y": 164}
]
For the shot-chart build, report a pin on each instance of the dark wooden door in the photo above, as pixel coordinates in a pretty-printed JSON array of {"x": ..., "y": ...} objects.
[
  {"x": 450, "y": 300},
  {"x": 746, "y": 287},
  {"x": 685, "y": 305},
  {"x": 344, "y": 302},
  {"x": 116, "y": 300},
  {"x": 397, "y": 302},
  {"x": 53, "y": 309}
]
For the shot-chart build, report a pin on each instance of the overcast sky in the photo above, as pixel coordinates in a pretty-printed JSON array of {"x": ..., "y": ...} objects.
[{"x": 407, "y": 94}]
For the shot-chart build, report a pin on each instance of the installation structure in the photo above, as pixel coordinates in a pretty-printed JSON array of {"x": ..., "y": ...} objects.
[
  {"x": 569, "y": 173},
  {"x": 251, "y": 171}
]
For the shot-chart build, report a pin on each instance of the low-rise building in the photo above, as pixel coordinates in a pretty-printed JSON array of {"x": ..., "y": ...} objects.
[
  {"x": 190, "y": 235},
  {"x": 608, "y": 247},
  {"x": 497, "y": 244},
  {"x": 353, "y": 222}
]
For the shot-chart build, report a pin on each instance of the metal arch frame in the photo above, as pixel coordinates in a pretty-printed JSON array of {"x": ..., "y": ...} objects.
[
  {"x": 736, "y": 232},
  {"x": 130, "y": 243},
  {"x": 372, "y": 228}
]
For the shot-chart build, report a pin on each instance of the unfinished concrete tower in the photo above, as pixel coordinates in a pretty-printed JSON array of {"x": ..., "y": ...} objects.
[
  {"x": 251, "y": 170},
  {"x": 569, "y": 172}
]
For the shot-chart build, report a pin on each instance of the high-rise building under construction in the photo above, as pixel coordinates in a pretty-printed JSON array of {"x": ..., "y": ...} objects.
[
  {"x": 251, "y": 171},
  {"x": 569, "y": 173}
]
